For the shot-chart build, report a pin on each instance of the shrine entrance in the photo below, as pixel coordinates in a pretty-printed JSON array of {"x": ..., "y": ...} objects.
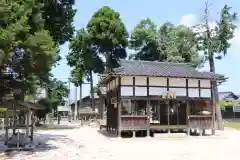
[{"x": 164, "y": 116}]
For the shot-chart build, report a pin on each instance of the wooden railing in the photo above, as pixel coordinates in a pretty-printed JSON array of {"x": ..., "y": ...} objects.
[
  {"x": 134, "y": 122},
  {"x": 200, "y": 122}
]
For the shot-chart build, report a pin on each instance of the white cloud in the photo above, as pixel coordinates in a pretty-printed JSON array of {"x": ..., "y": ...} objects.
[{"x": 191, "y": 20}]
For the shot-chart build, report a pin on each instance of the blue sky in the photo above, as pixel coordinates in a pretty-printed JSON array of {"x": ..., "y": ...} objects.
[{"x": 186, "y": 12}]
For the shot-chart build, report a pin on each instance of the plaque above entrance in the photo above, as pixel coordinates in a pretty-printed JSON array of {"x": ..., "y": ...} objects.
[{"x": 168, "y": 95}]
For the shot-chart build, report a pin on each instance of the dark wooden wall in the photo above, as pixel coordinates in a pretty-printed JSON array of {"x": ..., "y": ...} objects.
[{"x": 112, "y": 113}]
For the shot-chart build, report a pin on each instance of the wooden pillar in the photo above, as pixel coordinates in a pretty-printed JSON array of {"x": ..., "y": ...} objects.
[
  {"x": 119, "y": 107},
  {"x": 134, "y": 134},
  {"x": 148, "y": 116},
  {"x": 27, "y": 122},
  {"x": 6, "y": 127},
  {"x": 178, "y": 105},
  {"x": 168, "y": 115},
  {"x": 32, "y": 125},
  {"x": 119, "y": 119},
  {"x": 102, "y": 106},
  {"x": 14, "y": 117},
  {"x": 187, "y": 117}
]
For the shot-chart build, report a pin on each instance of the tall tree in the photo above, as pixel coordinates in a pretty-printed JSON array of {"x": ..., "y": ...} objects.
[
  {"x": 215, "y": 44},
  {"x": 58, "y": 18},
  {"x": 31, "y": 32},
  {"x": 165, "y": 43},
  {"x": 108, "y": 36},
  {"x": 83, "y": 56},
  {"x": 27, "y": 50}
]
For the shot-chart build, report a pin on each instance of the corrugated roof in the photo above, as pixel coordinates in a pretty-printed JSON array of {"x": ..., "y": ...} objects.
[{"x": 164, "y": 69}]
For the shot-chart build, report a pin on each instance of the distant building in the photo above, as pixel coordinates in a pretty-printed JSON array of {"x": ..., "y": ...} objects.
[
  {"x": 227, "y": 96},
  {"x": 230, "y": 104},
  {"x": 63, "y": 110}
]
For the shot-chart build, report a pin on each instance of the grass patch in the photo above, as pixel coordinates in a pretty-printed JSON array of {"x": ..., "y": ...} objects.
[{"x": 235, "y": 125}]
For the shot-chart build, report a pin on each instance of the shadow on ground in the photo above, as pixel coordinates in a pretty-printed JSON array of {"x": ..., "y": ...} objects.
[
  {"x": 124, "y": 134},
  {"x": 44, "y": 142},
  {"x": 56, "y": 126},
  {"x": 106, "y": 134}
]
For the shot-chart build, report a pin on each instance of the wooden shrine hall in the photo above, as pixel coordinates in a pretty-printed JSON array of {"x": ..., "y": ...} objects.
[{"x": 153, "y": 96}]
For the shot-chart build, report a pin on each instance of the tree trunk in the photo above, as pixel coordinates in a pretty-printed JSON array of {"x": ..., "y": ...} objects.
[
  {"x": 80, "y": 99},
  {"x": 212, "y": 69},
  {"x": 75, "y": 108},
  {"x": 108, "y": 63},
  {"x": 215, "y": 95},
  {"x": 92, "y": 91}
]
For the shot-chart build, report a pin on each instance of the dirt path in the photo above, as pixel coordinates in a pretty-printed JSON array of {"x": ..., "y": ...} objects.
[{"x": 87, "y": 144}]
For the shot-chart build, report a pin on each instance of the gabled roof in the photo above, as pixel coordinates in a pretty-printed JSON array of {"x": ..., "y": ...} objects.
[
  {"x": 160, "y": 69},
  {"x": 227, "y": 95},
  {"x": 84, "y": 99},
  {"x": 164, "y": 69}
]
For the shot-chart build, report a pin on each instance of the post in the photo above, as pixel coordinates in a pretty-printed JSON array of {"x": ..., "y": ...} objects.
[
  {"x": 119, "y": 119},
  {"x": 27, "y": 123},
  {"x": 6, "y": 127},
  {"x": 14, "y": 116},
  {"x": 168, "y": 115},
  {"x": 178, "y": 105},
  {"x": 18, "y": 139},
  {"x": 187, "y": 118},
  {"x": 75, "y": 108},
  {"x": 80, "y": 99},
  {"x": 33, "y": 123},
  {"x": 148, "y": 118},
  {"x": 69, "y": 102}
]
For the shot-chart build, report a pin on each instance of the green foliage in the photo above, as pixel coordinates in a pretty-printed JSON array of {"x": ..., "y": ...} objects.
[
  {"x": 215, "y": 41},
  {"x": 165, "y": 43},
  {"x": 227, "y": 103},
  {"x": 108, "y": 35},
  {"x": 59, "y": 17},
  {"x": 35, "y": 28},
  {"x": 25, "y": 45},
  {"x": 83, "y": 57},
  {"x": 57, "y": 91}
]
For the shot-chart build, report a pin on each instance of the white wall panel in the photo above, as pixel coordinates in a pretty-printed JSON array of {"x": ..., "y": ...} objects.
[
  {"x": 178, "y": 82},
  {"x": 179, "y": 91},
  {"x": 140, "y": 91},
  {"x": 193, "y": 92},
  {"x": 206, "y": 93},
  {"x": 126, "y": 91},
  {"x": 157, "y": 91},
  {"x": 157, "y": 81},
  {"x": 192, "y": 82},
  {"x": 205, "y": 83},
  {"x": 141, "y": 80},
  {"x": 126, "y": 80}
]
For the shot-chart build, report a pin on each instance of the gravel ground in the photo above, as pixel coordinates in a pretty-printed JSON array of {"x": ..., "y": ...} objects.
[{"x": 87, "y": 143}]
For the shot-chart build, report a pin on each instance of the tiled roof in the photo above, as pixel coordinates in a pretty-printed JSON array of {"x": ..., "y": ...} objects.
[
  {"x": 227, "y": 95},
  {"x": 164, "y": 69}
]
